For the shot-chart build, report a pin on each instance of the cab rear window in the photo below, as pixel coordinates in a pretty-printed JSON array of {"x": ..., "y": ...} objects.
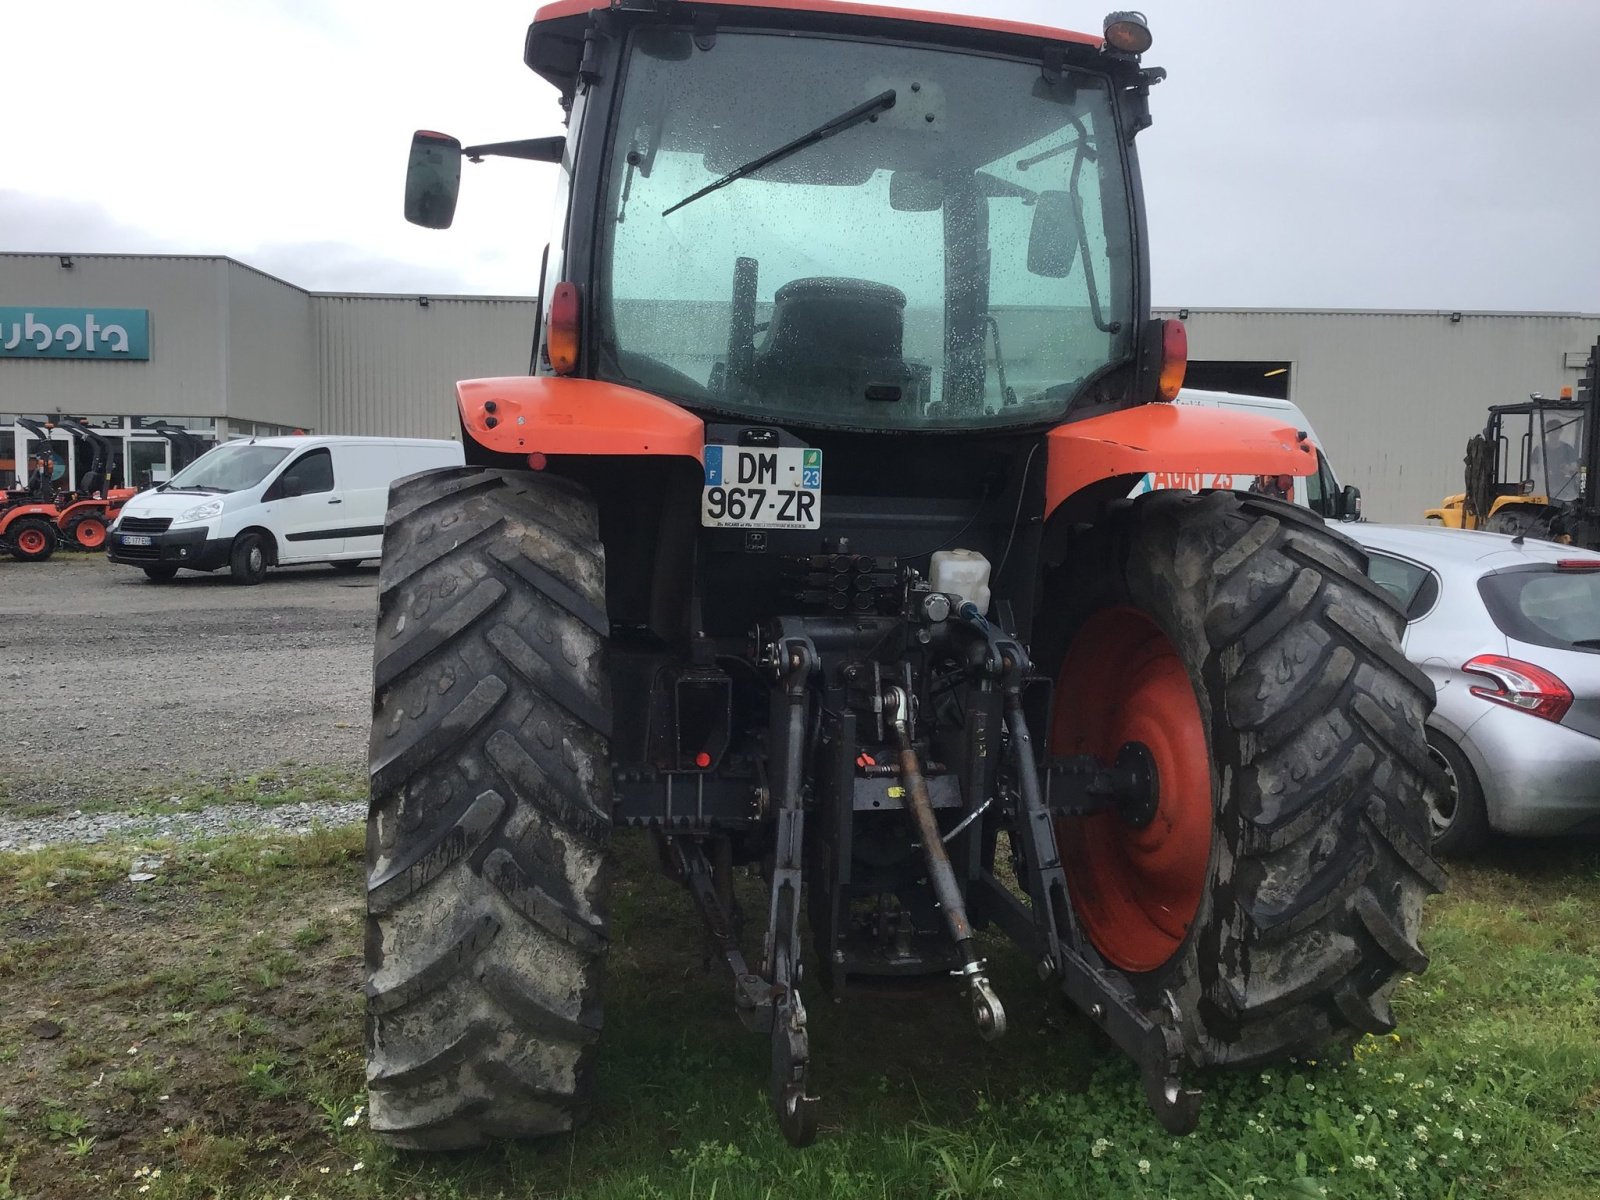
[{"x": 1546, "y": 606}]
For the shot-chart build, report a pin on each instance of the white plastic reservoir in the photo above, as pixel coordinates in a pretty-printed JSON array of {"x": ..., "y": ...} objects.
[{"x": 963, "y": 573}]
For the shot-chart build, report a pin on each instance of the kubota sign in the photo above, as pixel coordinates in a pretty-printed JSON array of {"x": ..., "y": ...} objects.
[{"x": 105, "y": 333}]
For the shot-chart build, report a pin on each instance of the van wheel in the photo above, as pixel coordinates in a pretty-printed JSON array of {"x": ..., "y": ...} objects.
[
  {"x": 248, "y": 563},
  {"x": 160, "y": 574}
]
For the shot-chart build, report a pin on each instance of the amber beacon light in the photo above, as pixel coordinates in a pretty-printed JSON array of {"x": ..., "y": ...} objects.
[{"x": 1128, "y": 32}]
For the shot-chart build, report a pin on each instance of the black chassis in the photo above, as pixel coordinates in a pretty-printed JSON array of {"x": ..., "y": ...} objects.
[{"x": 823, "y": 795}]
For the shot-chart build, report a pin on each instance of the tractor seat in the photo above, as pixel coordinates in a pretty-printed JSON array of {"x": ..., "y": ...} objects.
[{"x": 829, "y": 339}]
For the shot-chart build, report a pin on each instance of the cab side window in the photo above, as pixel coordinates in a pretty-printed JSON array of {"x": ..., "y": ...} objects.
[{"x": 309, "y": 474}]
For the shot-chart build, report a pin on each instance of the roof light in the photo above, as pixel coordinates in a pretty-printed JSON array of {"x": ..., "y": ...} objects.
[
  {"x": 1578, "y": 564},
  {"x": 1521, "y": 685},
  {"x": 1128, "y": 32}
]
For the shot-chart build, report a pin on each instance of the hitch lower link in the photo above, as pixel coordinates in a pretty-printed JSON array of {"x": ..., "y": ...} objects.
[
  {"x": 767, "y": 999},
  {"x": 1154, "y": 1040}
]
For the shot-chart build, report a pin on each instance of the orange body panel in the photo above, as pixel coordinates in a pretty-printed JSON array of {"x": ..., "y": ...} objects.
[
  {"x": 843, "y": 8},
  {"x": 10, "y": 515},
  {"x": 542, "y": 414},
  {"x": 1164, "y": 437}
]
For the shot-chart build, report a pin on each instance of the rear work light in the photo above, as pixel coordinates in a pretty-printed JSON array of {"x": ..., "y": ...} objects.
[
  {"x": 561, "y": 337},
  {"x": 1521, "y": 686}
]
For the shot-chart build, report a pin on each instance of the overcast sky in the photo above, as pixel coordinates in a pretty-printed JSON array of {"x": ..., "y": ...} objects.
[{"x": 1355, "y": 154}]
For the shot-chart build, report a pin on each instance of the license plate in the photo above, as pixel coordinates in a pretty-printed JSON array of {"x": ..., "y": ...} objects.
[
  {"x": 135, "y": 539},
  {"x": 756, "y": 487}
]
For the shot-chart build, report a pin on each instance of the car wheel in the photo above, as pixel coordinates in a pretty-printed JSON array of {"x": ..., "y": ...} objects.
[
  {"x": 248, "y": 563},
  {"x": 1459, "y": 820}
]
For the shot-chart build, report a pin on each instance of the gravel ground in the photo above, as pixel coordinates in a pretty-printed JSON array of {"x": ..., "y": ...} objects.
[{"x": 112, "y": 688}]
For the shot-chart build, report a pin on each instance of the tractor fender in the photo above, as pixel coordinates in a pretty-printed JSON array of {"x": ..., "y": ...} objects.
[
  {"x": 544, "y": 414},
  {"x": 12, "y": 515},
  {"x": 1100, "y": 458}
]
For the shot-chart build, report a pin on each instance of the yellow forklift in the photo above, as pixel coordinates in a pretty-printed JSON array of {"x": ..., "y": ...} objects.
[{"x": 1529, "y": 472}]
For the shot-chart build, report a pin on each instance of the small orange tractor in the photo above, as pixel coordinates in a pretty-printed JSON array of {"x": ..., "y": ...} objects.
[{"x": 806, "y": 549}]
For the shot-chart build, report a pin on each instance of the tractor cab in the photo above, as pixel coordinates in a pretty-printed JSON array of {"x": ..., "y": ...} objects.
[{"x": 932, "y": 231}]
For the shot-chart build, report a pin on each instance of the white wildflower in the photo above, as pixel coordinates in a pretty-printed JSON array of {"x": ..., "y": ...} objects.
[
  {"x": 1101, "y": 1145},
  {"x": 1422, "y": 1133},
  {"x": 1144, "y": 1166},
  {"x": 358, "y": 1167},
  {"x": 1458, "y": 1134}
]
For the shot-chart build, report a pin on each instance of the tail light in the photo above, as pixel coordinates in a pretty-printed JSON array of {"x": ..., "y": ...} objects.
[
  {"x": 1174, "y": 358},
  {"x": 562, "y": 334},
  {"x": 1521, "y": 685},
  {"x": 1578, "y": 564}
]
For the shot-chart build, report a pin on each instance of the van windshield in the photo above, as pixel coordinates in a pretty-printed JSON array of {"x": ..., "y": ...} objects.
[{"x": 229, "y": 468}]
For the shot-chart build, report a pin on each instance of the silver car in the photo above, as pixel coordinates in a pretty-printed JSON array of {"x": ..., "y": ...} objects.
[{"x": 1509, "y": 632}]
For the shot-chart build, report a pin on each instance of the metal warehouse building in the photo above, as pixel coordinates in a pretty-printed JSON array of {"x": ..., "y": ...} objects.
[{"x": 211, "y": 344}]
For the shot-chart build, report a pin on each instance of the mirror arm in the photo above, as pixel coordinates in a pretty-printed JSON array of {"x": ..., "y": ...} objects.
[{"x": 545, "y": 149}]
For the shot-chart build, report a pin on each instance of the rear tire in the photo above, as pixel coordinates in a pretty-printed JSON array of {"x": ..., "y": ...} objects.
[
  {"x": 33, "y": 539},
  {"x": 247, "y": 563},
  {"x": 87, "y": 533},
  {"x": 490, "y": 810},
  {"x": 160, "y": 574},
  {"x": 1292, "y": 930},
  {"x": 1458, "y": 817}
]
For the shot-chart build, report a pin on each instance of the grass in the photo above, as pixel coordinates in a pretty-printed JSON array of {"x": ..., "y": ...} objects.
[
  {"x": 211, "y": 1046},
  {"x": 286, "y": 784}
]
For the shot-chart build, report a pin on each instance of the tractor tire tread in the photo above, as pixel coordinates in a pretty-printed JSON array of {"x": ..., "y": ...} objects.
[{"x": 490, "y": 811}]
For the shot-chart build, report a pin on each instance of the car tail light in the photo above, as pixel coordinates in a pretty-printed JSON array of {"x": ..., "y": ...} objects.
[
  {"x": 561, "y": 337},
  {"x": 1521, "y": 685}
]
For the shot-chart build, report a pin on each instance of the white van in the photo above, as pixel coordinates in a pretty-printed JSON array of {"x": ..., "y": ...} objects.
[
  {"x": 266, "y": 502},
  {"x": 1320, "y": 492}
]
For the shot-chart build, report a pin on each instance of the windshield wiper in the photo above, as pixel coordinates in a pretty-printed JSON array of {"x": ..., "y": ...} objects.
[{"x": 882, "y": 102}]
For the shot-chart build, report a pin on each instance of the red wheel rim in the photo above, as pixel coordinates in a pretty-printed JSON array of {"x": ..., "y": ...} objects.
[
  {"x": 1135, "y": 890},
  {"x": 31, "y": 541},
  {"x": 91, "y": 535}
]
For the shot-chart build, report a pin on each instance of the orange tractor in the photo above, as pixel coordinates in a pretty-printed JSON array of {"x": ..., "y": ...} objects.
[
  {"x": 806, "y": 548},
  {"x": 39, "y": 516}
]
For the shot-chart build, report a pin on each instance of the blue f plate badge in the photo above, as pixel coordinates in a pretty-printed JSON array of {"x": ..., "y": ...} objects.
[{"x": 761, "y": 487}]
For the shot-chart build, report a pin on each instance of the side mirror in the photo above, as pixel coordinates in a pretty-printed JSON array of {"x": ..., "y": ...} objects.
[
  {"x": 433, "y": 179},
  {"x": 1053, "y": 239},
  {"x": 1350, "y": 503}
]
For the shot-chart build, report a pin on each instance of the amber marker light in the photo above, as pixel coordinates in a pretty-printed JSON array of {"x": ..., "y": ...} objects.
[
  {"x": 562, "y": 335},
  {"x": 1174, "y": 359}
]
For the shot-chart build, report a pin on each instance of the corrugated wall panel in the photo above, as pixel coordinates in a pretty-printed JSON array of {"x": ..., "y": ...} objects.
[
  {"x": 271, "y": 350},
  {"x": 187, "y": 299},
  {"x": 389, "y": 365},
  {"x": 1395, "y": 395}
]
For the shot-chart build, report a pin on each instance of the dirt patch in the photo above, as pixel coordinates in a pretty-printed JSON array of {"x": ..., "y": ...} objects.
[{"x": 115, "y": 686}]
